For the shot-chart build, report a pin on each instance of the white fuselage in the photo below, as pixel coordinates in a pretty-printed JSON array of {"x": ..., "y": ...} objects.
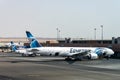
[
  {"x": 74, "y": 52},
  {"x": 71, "y": 51}
]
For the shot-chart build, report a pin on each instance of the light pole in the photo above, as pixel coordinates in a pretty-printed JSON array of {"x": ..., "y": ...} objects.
[
  {"x": 102, "y": 33},
  {"x": 58, "y": 33},
  {"x": 95, "y": 33}
]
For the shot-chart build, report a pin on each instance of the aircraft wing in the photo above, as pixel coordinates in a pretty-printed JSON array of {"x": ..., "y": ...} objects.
[{"x": 33, "y": 50}]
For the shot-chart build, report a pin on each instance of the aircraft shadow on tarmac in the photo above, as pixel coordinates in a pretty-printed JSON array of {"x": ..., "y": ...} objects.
[
  {"x": 43, "y": 61},
  {"x": 54, "y": 61}
]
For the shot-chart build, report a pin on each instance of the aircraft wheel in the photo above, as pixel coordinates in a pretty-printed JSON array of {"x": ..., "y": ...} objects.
[
  {"x": 23, "y": 55},
  {"x": 68, "y": 59},
  {"x": 33, "y": 54}
]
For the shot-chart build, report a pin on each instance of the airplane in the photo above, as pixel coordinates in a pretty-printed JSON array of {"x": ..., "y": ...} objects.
[
  {"x": 70, "y": 53},
  {"x": 23, "y": 51}
]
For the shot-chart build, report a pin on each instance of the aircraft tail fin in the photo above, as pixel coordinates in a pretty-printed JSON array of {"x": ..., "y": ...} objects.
[
  {"x": 33, "y": 41},
  {"x": 13, "y": 46},
  {"x": 30, "y": 36}
]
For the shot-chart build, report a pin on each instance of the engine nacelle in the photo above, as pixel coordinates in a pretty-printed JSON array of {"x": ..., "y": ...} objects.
[{"x": 93, "y": 56}]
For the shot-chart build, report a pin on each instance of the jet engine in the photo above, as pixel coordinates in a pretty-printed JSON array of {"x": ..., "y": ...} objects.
[{"x": 92, "y": 56}]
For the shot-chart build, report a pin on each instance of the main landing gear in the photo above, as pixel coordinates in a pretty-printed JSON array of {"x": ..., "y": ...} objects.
[
  {"x": 68, "y": 59},
  {"x": 73, "y": 59}
]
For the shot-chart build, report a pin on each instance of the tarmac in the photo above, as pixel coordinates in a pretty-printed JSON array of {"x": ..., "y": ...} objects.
[{"x": 15, "y": 67}]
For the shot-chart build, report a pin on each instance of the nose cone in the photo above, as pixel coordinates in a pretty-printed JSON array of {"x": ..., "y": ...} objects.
[{"x": 110, "y": 52}]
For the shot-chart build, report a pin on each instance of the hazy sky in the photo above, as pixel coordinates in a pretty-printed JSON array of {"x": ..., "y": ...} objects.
[{"x": 74, "y": 18}]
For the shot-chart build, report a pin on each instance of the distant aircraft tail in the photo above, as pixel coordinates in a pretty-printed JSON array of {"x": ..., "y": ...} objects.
[
  {"x": 13, "y": 46},
  {"x": 33, "y": 41}
]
